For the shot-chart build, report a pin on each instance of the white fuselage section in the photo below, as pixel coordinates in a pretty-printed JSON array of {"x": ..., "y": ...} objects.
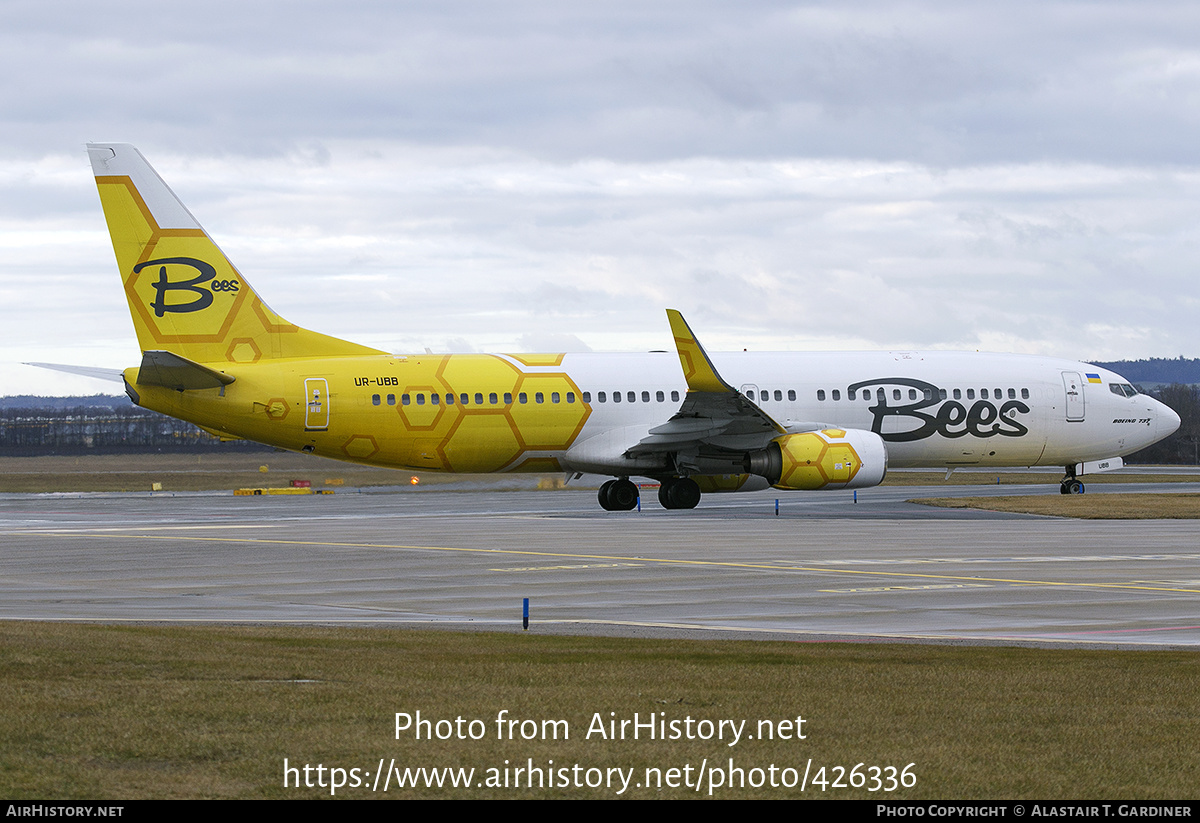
[{"x": 933, "y": 409}]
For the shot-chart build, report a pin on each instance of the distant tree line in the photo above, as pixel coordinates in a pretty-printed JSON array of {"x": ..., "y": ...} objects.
[
  {"x": 1155, "y": 371},
  {"x": 102, "y": 429},
  {"x": 1184, "y": 445}
]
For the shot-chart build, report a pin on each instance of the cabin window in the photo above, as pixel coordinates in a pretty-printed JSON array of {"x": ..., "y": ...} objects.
[
  {"x": 449, "y": 400},
  {"x": 674, "y": 397},
  {"x": 434, "y": 399},
  {"x": 570, "y": 397},
  {"x": 820, "y": 394},
  {"x": 645, "y": 397},
  {"x": 555, "y": 397},
  {"x": 912, "y": 394},
  {"x": 970, "y": 394},
  {"x": 1012, "y": 394},
  {"x": 1024, "y": 394},
  {"x": 983, "y": 393},
  {"x": 522, "y": 398},
  {"x": 837, "y": 395},
  {"x": 850, "y": 394},
  {"x": 404, "y": 400},
  {"x": 421, "y": 399},
  {"x": 586, "y": 397},
  {"x": 508, "y": 398},
  {"x": 374, "y": 400},
  {"x": 928, "y": 394},
  {"x": 493, "y": 399},
  {"x": 538, "y": 397},
  {"x": 659, "y": 396},
  {"x": 998, "y": 394},
  {"x": 478, "y": 398},
  {"x": 616, "y": 397},
  {"x": 464, "y": 399},
  {"x": 631, "y": 397},
  {"x": 895, "y": 394},
  {"x": 391, "y": 399}
]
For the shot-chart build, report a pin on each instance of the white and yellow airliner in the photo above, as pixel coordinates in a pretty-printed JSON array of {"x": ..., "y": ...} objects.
[{"x": 214, "y": 354}]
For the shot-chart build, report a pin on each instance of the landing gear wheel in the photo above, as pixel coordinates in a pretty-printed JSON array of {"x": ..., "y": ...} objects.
[
  {"x": 603, "y": 496},
  {"x": 622, "y": 495},
  {"x": 1071, "y": 485},
  {"x": 679, "y": 493}
]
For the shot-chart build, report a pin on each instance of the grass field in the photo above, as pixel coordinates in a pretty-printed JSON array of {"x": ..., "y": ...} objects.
[
  {"x": 181, "y": 472},
  {"x": 1088, "y": 506},
  {"x": 129, "y": 712}
]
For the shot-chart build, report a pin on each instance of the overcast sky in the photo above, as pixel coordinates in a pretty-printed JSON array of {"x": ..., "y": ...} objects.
[{"x": 525, "y": 176}]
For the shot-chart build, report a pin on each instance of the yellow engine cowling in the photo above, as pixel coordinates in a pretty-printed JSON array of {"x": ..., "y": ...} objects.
[{"x": 826, "y": 459}]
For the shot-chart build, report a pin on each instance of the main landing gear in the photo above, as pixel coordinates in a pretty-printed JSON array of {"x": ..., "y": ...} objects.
[
  {"x": 679, "y": 493},
  {"x": 1070, "y": 483},
  {"x": 618, "y": 495},
  {"x": 674, "y": 493}
]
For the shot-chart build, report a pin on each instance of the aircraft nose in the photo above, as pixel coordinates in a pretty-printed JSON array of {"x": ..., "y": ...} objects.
[{"x": 1168, "y": 420}]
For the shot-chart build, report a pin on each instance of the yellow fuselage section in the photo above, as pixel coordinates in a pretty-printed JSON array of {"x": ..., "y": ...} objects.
[{"x": 455, "y": 413}]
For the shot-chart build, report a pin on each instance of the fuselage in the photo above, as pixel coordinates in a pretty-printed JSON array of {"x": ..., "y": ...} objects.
[{"x": 486, "y": 413}]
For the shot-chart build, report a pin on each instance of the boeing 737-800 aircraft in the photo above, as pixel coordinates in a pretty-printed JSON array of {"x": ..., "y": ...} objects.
[{"x": 214, "y": 354}]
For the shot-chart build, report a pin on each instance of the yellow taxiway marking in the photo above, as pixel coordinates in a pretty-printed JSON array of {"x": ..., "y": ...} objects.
[
  {"x": 663, "y": 561},
  {"x": 570, "y": 566},
  {"x": 909, "y": 588},
  {"x": 98, "y": 529}
]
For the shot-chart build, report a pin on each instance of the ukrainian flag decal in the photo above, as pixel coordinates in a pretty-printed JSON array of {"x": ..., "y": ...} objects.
[{"x": 1094, "y": 378}]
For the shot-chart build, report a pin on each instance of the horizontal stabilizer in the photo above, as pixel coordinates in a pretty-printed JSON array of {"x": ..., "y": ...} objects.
[
  {"x": 162, "y": 368},
  {"x": 87, "y": 371}
]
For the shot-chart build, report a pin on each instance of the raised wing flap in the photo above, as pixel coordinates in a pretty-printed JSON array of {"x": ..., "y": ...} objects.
[{"x": 162, "y": 368}]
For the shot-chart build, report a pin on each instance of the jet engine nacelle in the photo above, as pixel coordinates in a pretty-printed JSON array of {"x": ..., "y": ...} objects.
[{"x": 826, "y": 459}]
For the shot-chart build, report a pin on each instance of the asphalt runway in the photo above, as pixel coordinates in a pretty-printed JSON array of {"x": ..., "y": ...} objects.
[{"x": 825, "y": 567}]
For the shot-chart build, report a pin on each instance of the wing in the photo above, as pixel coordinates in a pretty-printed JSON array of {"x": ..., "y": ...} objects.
[{"x": 714, "y": 417}]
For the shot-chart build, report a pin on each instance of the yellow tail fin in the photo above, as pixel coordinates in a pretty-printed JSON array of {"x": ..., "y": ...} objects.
[{"x": 184, "y": 294}]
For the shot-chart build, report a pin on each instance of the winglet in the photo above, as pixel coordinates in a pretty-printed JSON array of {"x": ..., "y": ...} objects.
[{"x": 698, "y": 370}]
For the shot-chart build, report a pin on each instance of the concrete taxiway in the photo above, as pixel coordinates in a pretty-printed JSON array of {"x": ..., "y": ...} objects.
[{"x": 825, "y": 566}]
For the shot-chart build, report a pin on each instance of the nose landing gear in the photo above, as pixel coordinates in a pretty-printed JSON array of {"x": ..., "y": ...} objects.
[{"x": 1071, "y": 484}]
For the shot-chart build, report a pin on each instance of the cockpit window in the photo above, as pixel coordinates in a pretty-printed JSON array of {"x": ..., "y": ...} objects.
[{"x": 1123, "y": 389}]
